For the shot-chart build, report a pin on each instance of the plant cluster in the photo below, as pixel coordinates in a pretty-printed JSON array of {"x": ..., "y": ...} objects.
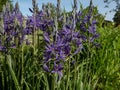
[{"x": 73, "y": 32}]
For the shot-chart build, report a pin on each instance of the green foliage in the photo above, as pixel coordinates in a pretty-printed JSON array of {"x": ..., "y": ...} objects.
[
  {"x": 106, "y": 60},
  {"x": 117, "y": 18},
  {"x": 108, "y": 23},
  {"x": 3, "y": 2}
]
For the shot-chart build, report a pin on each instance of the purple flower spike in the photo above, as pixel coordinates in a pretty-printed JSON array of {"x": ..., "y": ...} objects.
[
  {"x": 58, "y": 69},
  {"x": 59, "y": 42},
  {"x": 8, "y": 39},
  {"x": 97, "y": 45},
  {"x": 67, "y": 49},
  {"x": 60, "y": 75},
  {"x": 92, "y": 29},
  {"x": 83, "y": 37},
  {"x": 27, "y": 31},
  {"x": 27, "y": 42},
  {"x": 47, "y": 56},
  {"x": 13, "y": 46},
  {"x": 82, "y": 27},
  {"x": 46, "y": 37},
  {"x": 45, "y": 67},
  {"x": 92, "y": 39},
  {"x": 50, "y": 48},
  {"x": 96, "y": 35},
  {"x": 73, "y": 62},
  {"x": 78, "y": 42},
  {"x": 79, "y": 13},
  {"x": 3, "y": 49},
  {"x": 61, "y": 55},
  {"x": 41, "y": 14},
  {"x": 78, "y": 49},
  {"x": 94, "y": 22}
]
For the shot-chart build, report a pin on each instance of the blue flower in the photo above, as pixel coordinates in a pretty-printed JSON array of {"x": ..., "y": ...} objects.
[
  {"x": 92, "y": 29},
  {"x": 46, "y": 68},
  {"x": 46, "y": 37},
  {"x": 3, "y": 48},
  {"x": 58, "y": 69}
]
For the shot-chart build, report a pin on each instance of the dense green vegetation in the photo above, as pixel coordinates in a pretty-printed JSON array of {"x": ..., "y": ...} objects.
[
  {"x": 2, "y": 3},
  {"x": 117, "y": 18}
]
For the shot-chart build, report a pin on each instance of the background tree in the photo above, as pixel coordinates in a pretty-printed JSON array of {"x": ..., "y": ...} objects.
[
  {"x": 3, "y": 2},
  {"x": 116, "y": 17},
  {"x": 111, "y": 1}
]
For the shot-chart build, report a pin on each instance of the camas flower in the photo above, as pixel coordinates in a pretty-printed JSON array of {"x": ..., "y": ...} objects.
[{"x": 58, "y": 69}]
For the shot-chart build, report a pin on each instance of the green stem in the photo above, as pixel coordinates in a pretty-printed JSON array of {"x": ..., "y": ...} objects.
[
  {"x": 22, "y": 67},
  {"x": 12, "y": 73},
  {"x": 68, "y": 73},
  {"x": 5, "y": 74},
  {"x": 53, "y": 83},
  {"x": 2, "y": 75},
  {"x": 75, "y": 75}
]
